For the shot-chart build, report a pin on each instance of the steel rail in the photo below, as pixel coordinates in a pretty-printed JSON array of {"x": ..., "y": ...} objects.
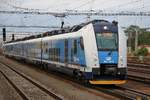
[
  {"x": 37, "y": 84},
  {"x": 22, "y": 94}
]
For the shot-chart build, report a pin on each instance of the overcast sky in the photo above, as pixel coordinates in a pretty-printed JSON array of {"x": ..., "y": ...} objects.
[{"x": 63, "y": 5}]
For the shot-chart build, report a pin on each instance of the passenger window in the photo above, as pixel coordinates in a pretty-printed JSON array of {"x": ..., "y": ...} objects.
[
  {"x": 50, "y": 53},
  {"x": 54, "y": 54},
  {"x": 66, "y": 50},
  {"x": 75, "y": 46},
  {"x": 81, "y": 43},
  {"x": 46, "y": 50},
  {"x": 59, "y": 54}
]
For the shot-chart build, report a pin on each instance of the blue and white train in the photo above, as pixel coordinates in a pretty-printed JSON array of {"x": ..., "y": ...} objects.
[{"x": 94, "y": 51}]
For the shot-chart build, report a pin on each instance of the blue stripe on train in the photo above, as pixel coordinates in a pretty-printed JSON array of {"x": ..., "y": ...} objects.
[{"x": 108, "y": 57}]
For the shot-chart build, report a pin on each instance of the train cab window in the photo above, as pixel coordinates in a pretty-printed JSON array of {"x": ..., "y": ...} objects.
[
  {"x": 107, "y": 40},
  {"x": 75, "y": 46}
]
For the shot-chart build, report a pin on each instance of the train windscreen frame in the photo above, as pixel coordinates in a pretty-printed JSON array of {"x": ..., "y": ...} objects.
[
  {"x": 107, "y": 41},
  {"x": 106, "y": 36}
]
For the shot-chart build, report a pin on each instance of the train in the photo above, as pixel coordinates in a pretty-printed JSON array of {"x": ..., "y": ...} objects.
[{"x": 94, "y": 52}]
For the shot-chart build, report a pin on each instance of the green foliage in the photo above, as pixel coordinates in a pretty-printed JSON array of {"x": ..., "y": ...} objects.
[
  {"x": 143, "y": 36},
  {"x": 131, "y": 30},
  {"x": 131, "y": 33},
  {"x": 144, "y": 39},
  {"x": 141, "y": 52}
]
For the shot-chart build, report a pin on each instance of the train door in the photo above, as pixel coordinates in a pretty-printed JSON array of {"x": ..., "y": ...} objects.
[
  {"x": 74, "y": 51},
  {"x": 78, "y": 52},
  {"x": 66, "y": 51},
  {"x": 69, "y": 51}
]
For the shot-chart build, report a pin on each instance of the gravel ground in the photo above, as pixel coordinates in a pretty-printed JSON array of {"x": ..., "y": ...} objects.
[
  {"x": 33, "y": 92},
  {"x": 67, "y": 90},
  {"x": 7, "y": 92}
]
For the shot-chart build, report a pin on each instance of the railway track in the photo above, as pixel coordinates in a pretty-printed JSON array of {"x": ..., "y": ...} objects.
[
  {"x": 124, "y": 93},
  {"x": 139, "y": 72},
  {"x": 116, "y": 91},
  {"x": 26, "y": 87},
  {"x": 133, "y": 94},
  {"x": 147, "y": 66},
  {"x": 138, "y": 61},
  {"x": 75, "y": 84},
  {"x": 139, "y": 79}
]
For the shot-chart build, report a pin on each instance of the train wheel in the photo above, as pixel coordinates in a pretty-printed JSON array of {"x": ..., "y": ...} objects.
[
  {"x": 85, "y": 82},
  {"x": 41, "y": 65},
  {"x": 75, "y": 75},
  {"x": 45, "y": 66},
  {"x": 23, "y": 61}
]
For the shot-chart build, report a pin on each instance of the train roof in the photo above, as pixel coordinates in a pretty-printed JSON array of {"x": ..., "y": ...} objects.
[{"x": 65, "y": 30}]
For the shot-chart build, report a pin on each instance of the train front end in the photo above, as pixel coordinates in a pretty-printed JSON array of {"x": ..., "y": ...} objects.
[{"x": 111, "y": 69}]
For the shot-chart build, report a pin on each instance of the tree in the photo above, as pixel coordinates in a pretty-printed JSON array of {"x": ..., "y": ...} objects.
[
  {"x": 144, "y": 39},
  {"x": 133, "y": 33}
]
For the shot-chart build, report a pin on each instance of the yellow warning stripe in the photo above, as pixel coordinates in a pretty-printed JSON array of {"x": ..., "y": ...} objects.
[{"x": 108, "y": 81}]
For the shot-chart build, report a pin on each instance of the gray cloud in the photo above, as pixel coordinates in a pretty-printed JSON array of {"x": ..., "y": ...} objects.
[{"x": 61, "y": 5}]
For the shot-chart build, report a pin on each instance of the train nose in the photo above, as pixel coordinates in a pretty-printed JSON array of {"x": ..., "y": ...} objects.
[{"x": 108, "y": 57}]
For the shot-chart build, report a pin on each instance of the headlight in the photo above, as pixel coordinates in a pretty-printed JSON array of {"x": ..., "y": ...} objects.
[{"x": 122, "y": 71}]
